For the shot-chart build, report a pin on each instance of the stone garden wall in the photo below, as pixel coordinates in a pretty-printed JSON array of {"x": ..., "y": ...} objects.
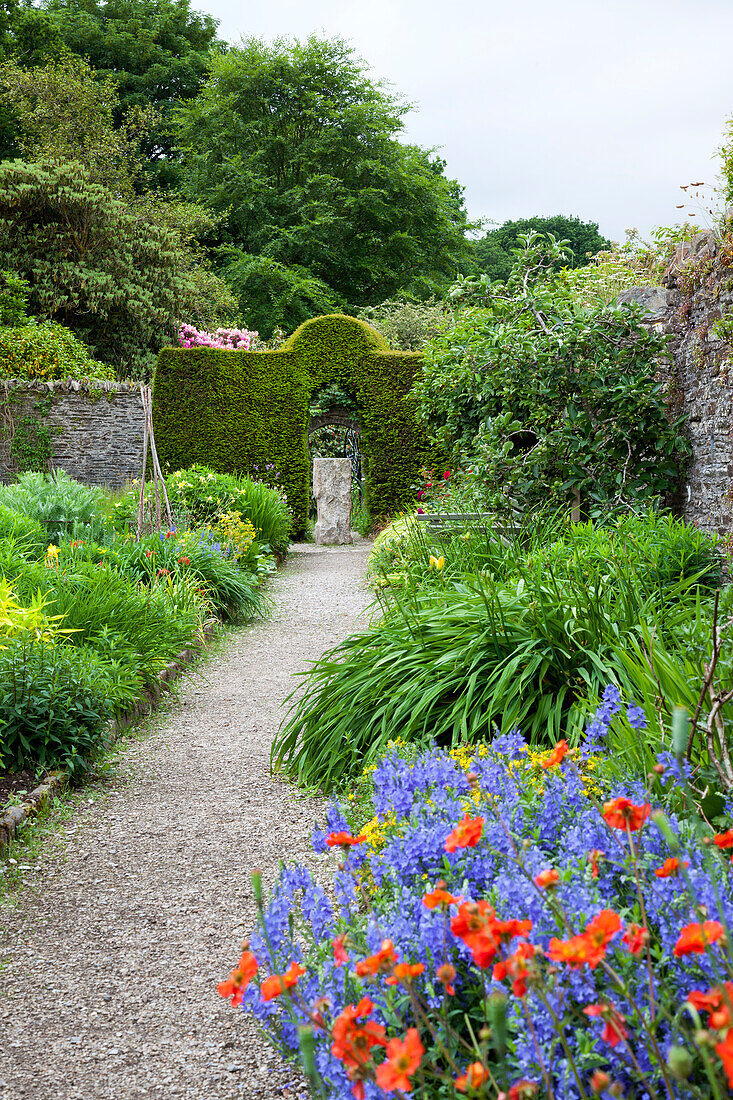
[
  {"x": 93, "y": 431},
  {"x": 695, "y": 307}
]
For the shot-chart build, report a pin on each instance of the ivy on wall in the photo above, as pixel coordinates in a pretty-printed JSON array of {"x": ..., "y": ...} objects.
[{"x": 234, "y": 410}]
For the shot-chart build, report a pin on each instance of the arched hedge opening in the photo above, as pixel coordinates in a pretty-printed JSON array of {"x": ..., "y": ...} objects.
[{"x": 236, "y": 410}]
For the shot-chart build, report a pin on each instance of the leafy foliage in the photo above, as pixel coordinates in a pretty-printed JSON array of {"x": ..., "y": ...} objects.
[
  {"x": 493, "y": 254},
  {"x": 157, "y": 52},
  {"x": 114, "y": 279},
  {"x": 47, "y": 350},
  {"x": 542, "y": 398},
  {"x": 515, "y": 630},
  {"x": 59, "y": 504},
  {"x": 408, "y": 324},
  {"x": 319, "y": 181}
]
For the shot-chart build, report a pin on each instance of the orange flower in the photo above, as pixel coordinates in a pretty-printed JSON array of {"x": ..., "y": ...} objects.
[
  {"x": 239, "y": 978},
  {"x": 441, "y": 897},
  {"x": 603, "y": 927},
  {"x": 344, "y": 840},
  {"x": 278, "y": 983},
  {"x": 621, "y": 813},
  {"x": 515, "y": 967},
  {"x": 636, "y": 938},
  {"x": 403, "y": 1058},
  {"x": 718, "y": 1002},
  {"x": 446, "y": 974},
  {"x": 594, "y": 855},
  {"x": 670, "y": 867},
  {"x": 557, "y": 755},
  {"x": 339, "y": 950},
  {"x": 546, "y": 878},
  {"x": 599, "y": 1082},
  {"x": 521, "y": 1090},
  {"x": 381, "y": 963},
  {"x": 473, "y": 1078},
  {"x": 724, "y": 840},
  {"x": 614, "y": 1030},
  {"x": 405, "y": 972},
  {"x": 353, "y": 1042},
  {"x": 477, "y": 925},
  {"x": 466, "y": 834},
  {"x": 724, "y": 1050},
  {"x": 696, "y": 938}
]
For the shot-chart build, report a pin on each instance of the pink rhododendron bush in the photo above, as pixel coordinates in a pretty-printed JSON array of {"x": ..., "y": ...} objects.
[
  {"x": 508, "y": 923},
  {"x": 233, "y": 338}
]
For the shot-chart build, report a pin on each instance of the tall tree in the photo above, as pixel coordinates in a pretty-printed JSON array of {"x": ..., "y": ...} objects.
[
  {"x": 300, "y": 148},
  {"x": 158, "y": 51},
  {"x": 494, "y": 253}
]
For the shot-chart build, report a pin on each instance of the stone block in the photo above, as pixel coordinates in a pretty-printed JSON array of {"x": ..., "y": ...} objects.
[{"x": 332, "y": 490}]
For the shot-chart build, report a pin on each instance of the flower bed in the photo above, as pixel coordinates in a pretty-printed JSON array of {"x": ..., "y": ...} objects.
[{"x": 505, "y": 924}]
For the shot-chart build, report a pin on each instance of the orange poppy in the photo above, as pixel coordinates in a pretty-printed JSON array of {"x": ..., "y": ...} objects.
[
  {"x": 473, "y": 1078},
  {"x": 466, "y": 834},
  {"x": 278, "y": 983},
  {"x": 403, "y": 1059},
  {"x": 694, "y": 939},
  {"x": 621, "y": 813},
  {"x": 381, "y": 963},
  {"x": 239, "y": 978}
]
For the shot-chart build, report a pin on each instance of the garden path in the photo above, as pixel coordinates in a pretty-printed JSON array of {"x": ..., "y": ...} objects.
[{"x": 109, "y": 960}]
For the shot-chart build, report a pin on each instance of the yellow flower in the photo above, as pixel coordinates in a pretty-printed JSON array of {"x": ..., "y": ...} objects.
[{"x": 437, "y": 563}]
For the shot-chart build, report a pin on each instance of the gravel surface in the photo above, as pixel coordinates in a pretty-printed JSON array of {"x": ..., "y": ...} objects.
[{"x": 109, "y": 961}]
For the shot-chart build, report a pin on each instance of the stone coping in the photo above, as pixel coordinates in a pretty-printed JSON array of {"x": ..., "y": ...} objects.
[{"x": 70, "y": 385}]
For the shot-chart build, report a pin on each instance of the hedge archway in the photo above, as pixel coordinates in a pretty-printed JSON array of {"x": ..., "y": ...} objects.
[{"x": 234, "y": 410}]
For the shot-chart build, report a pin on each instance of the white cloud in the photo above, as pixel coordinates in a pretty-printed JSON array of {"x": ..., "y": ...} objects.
[{"x": 599, "y": 108}]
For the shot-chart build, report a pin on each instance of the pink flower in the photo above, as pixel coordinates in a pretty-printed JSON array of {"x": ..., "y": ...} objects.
[{"x": 446, "y": 475}]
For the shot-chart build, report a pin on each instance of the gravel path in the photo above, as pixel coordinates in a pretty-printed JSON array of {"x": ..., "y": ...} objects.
[{"x": 109, "y": 962}]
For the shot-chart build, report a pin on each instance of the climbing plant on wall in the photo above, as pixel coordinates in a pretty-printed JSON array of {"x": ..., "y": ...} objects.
[{"x": 234, "y": 410}]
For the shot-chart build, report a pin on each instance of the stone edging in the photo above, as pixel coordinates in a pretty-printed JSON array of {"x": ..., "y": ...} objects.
[{"x": 54, "y": 781}]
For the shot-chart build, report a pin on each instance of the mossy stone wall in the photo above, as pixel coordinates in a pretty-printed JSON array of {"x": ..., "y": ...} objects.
[{"x": 236, "y": 410}]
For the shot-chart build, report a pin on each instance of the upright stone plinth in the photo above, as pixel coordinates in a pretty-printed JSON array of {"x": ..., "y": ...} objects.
[{"x": 332, "y": 490}]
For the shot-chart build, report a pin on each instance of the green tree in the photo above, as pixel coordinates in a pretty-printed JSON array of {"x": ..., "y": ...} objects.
[
  {"x": 300, "y": 148},
  {"x": 112, "y": 277},
  {"x": 158, "y": 51},
  {"x": 494, "y": 253},
  {"x": 541, "y": 398},
  {"x": 272, "y": 295}
]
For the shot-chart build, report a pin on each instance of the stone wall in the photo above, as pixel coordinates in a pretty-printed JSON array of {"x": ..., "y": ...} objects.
[
  {"x": 95, "y": 428},
  {"x": 695, "y": 307}
]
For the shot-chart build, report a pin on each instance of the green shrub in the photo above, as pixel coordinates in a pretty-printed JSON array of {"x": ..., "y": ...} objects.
[
  {"x": 28, "y": 535},
  {"x": 498, "y": 628},
  {"x": 54, "y": 700},
  {"x": 59, "y": 504},
  {"x": 47, "y": 350},
  {"x": 204, "y": 495}
]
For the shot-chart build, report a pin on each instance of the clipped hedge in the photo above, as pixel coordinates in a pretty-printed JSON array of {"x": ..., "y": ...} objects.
[{"x": 234, "y": 410}]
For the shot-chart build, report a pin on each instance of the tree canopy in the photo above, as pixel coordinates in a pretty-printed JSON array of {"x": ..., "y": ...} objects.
[
  {"x": 300, "y": 148},
  {"x": 494, "y": 253},
  {"x": 158, "y": 51}
]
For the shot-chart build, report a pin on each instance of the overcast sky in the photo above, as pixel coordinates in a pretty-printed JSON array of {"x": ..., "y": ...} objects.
[{"x": 594, "y": 108}]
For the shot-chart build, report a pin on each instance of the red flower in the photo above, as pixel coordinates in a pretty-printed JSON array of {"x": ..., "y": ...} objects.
[
  {"x": 588, "y": 949},
  {"x": 546, "y": 878},
  {"x": 278, "y": 983},
  {"x": 441, "y": 897},
  {"x": 696, "y": 938},
  {"x": 148, "y": 553},
  {"x": 466, "y": 834},
  {"x": 339, "y": 950},
  {"x": 594, "y": 855},
  {"x": 184, "y": 561},
  {"x": 724, "y": 1050},
  {"x": 636, "y": 938},
  {"x": 521, "y": 1090},
  {"x": 403, "y": 1058},
  {"x": 603, "y": 927},
  {"x": 344, "y": 840},
  {"x": 614, "y": 1030},
  {"x": 599, "y": 1082},
  {"x": 557, "y": 755},
  {"x": 381, "y": 963},
  {"x": 724, "y": 840},
  {"x": 669, "y": 867},
  {"x": 446, "y": 475},
  {"x": 405, "y": 972},
  {"x": 239, "y": 978},
  {"x": 515, "y": 967},
  {"x": 477, "y": 925},
  {"x": 353, "y": 1042},
  {"x": 473, "y": 1078},
  {"x": 621, "y": 813},
  {"x": 446, "y": 974},
  {"x": 718, "y": 1002}
]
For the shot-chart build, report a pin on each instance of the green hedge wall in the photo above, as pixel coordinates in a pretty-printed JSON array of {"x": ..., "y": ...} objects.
[{"x": 233, "y": 410}]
